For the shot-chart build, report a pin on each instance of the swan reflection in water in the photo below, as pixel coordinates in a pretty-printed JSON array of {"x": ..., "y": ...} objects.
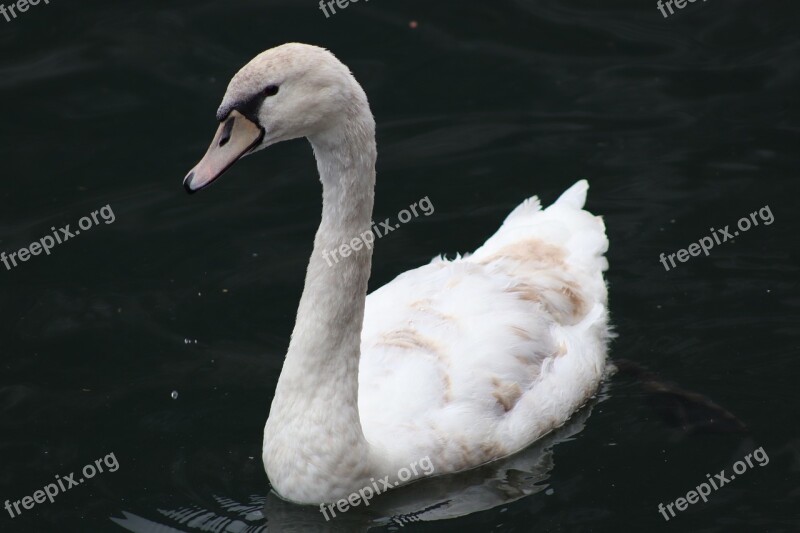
[{"x": 438, "y": 498}]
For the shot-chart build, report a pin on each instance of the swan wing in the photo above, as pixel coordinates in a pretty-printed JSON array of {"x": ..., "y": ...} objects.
[{"x": 468, "y": 360}]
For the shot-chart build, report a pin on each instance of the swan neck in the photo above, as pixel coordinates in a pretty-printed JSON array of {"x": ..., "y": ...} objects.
[
  {"x": 332, "y": 305},
  {"x": 318, "y": 386}
]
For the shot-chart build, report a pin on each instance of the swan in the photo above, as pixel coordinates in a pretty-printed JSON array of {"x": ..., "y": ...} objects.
[{"x": 454, "y": 364}]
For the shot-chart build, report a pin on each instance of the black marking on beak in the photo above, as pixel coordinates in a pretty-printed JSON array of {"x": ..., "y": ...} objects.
[
  {"x": 186, "y": 181},
  {"x": 248, "y": 107},
  {"x": 226, "y": 133}
]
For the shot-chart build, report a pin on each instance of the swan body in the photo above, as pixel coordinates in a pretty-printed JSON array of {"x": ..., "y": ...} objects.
[
  {"x": 485, "y": 354},
  {"x": 453, "y": 364}
]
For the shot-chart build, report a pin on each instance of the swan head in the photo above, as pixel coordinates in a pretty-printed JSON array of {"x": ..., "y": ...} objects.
[{"x": 291, "y": 91}]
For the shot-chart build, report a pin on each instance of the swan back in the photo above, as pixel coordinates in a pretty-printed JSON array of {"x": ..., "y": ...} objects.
[{"x": 473, "y": 359}]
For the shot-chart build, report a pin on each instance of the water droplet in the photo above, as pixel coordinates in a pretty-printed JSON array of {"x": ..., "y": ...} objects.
[
  {"x": 174, "y": 395},
  {"x": 549, "y": 492}
]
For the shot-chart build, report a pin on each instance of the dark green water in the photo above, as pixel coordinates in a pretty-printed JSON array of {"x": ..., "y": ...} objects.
[{"x": 680, "y": 125}]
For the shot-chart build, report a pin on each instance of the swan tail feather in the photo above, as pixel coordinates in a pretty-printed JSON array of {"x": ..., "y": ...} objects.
[
  {"x": 563, "y": 224},
  {"x": 575, "y": 196},
  {"x": 528, "y": 207}
]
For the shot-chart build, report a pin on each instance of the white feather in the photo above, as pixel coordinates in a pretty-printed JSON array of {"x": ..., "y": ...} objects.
[{"x": 461, "y": 363}]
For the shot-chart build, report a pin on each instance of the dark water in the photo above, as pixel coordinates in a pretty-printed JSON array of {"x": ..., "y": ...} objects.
[{"x": 680, "y": 125}]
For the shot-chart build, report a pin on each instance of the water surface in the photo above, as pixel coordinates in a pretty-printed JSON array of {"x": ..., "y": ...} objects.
[{"x": 680, "y": 125}]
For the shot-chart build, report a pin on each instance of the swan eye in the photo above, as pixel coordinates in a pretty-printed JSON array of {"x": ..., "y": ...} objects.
[{"x": 271, "y": 90}]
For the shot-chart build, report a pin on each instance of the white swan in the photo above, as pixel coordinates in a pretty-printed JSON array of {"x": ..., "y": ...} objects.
[{"x": 458, "y": 362}]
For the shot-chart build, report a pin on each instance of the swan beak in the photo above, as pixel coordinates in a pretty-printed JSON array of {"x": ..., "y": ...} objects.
[{"x": 237, "y": 135}]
